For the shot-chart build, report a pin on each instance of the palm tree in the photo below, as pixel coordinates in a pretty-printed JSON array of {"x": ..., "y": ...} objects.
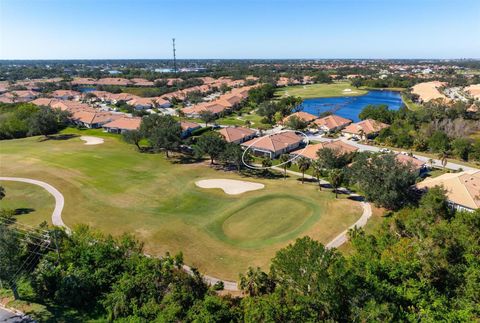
[
  {"x": 318, "y": 171},
  {"x": 255, "y": 282},
  {"x": 336, "y": 178},
  {"x": 285, "y": 160},
  {"x": 443, "y": 158},
  {"x": 266, "y": 164},
  {"x": 303, "y": 166},
  {"x": 248, "y": 123},
  {"x": 431, "y": 161}
]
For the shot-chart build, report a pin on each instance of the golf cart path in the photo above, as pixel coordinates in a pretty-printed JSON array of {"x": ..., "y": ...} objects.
[
  {"x": 228, "y": 285},
  {"x": 59, "y": 200},
  {"x": 361, "y": 222}
]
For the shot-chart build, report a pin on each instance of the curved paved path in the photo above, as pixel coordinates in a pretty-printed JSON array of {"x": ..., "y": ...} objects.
[
  {"x": 228, "y": 285},
  {"x": 59, "y": 200}
]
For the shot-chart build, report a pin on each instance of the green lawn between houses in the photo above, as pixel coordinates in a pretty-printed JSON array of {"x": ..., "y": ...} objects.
[
  {"x": 114, "y": 188},
  {"x": 320, "y": 90}
]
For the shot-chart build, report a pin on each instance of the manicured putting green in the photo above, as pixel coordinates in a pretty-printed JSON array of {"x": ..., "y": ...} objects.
[{"x": 266, "y": 218}]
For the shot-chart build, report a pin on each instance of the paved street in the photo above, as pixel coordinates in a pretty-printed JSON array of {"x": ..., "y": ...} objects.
[
  {"x": 361, "y": 147},
  {"x": 7, "y": 316}
]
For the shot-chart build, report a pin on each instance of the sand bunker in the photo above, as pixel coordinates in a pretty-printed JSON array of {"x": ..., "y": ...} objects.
[
  {"x": 230, "y": 186},
  {"x": 89, "y": 140}
]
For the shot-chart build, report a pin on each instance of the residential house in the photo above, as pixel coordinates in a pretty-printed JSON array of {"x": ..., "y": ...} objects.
[
  {"x": 18, "y": 96},
  {"x": 65, "y": 94},
  {"x": 141, "y": 82},
  {"x": 462, "y": 189},
  {"x": 332, "y": 123},
  {"x": 274, "y": 145},
  {"x": 162, "y": 103},
  {"x": 237, "y": 134},
  {"x": 142, "y": 103},
  {"x": 93, "y": 119},
  {"x": 188, "y": 128},
  {"x": 310, "y": 152},
  {"x": 415, "y": 163},
  {"x": 364, "y": 129},
  {"x": 44, "y": 101},
  {"x": 123, "y": 124},
  {"x": 304, "y": 116}
]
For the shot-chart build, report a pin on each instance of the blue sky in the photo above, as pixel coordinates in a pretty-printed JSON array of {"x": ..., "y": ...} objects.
[{"x": 69, "y": 29}]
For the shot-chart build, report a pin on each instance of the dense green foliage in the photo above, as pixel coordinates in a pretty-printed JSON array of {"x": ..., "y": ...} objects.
[
  {"x": 383, "y": 180},
  {"x": 421, "y": 265},
  {"x": 20, "y": 120},
  {"x": 436, "y": 128}
]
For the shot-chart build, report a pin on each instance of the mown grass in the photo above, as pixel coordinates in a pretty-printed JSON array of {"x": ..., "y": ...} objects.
[
  {"x": 410, "y": 104},
  {"x": 31, "y": 203},
  {"x": 116, "y": 189},
  {"x": 320, "y": 90}
]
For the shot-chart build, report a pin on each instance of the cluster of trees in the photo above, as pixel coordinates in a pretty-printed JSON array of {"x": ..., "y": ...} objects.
[
  {"x": 387, "y": 82},
  {"x": 273, "y": 111},
  {"x": 216, "y": 148},
  {"x": 436, "y": 128},
  {"x": 422, "y": 264},
  {"x": 19, "y": 120},
  {"x": 163, "y": 133}
]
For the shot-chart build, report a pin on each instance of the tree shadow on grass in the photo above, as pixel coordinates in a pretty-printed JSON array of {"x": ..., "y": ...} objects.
[
  {"x": 356, "y": 198},
  {"x": 261, "y": 173},
  {"x": 23, "y": 210},
  {"x": 307, "y": 180},
  {"x": 66, "y": 136}
]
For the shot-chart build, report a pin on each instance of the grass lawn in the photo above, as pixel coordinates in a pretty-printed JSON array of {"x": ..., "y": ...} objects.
[
  {"x": 32, "y": 203},
  {"x": 115, "y": 189},
  {"x": 320, "y": 90},
  {"x": 396, "y": 89},
  {"x": 411, "y": 105}
]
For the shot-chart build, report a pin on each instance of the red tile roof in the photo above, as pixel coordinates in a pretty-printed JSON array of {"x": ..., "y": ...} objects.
[
  {"x": 368, "y": 126},
  {"x": 332, "y": 122},
  {"x": 124, "y": 123},
  {"x": 232, "y": 134},
  {"x": 275, "y": 142}
]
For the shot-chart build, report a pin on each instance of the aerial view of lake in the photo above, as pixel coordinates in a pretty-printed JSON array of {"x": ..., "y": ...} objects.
[{"x": 350, "y": 106}]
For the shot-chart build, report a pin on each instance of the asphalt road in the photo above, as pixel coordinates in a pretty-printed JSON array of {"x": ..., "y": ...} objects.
[
  {"x": 361, "y": 147},
  {"x": 7, "y": 316}
]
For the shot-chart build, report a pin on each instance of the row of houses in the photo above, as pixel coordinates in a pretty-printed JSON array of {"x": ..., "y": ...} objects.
[
  {"x": 363, "y": 129},
  {"x": 222, "y": 104},
  {"x": 127, "y": 123},
  {"x": 118, "y": 81}
]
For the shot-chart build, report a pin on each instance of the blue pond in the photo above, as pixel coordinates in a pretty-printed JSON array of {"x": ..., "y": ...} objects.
[{"x": 351, "y": 106}]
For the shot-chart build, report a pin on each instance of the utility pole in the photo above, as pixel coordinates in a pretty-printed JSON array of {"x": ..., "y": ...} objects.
[{"x": 174, "y": 57}]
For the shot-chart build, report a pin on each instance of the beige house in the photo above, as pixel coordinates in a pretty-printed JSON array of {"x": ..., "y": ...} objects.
[
  {"x": 463, "y": 189},
  {"x": 364, "y": 129},
  {"x": 237, "y": 134},
  {"x": 274, "y": 145}
]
